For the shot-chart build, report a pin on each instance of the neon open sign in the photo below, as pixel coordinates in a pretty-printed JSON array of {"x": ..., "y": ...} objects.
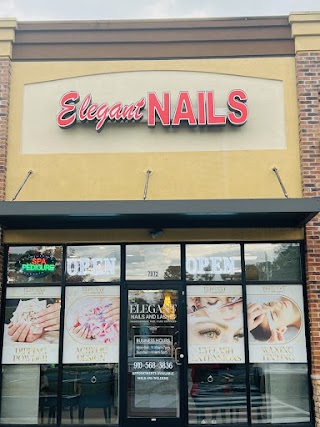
[{"x": 201, "y": 114}]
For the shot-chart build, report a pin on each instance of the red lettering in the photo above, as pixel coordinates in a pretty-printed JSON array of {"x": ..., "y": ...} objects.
[
  {"x": 238, "y": 108},
  {"x": 139, "y": 106},
  {"x": 115, "y": 111},
  {"x": 102, "y": 116},
  {"x": 154, "y": 107},
  {"x": 212, "y": 118},
  {"x": 67, "y": 116},
  {"x": 83, "y": 108},
  {"x": 127, "y": 112},
  {"x": 184, "y": 110},
  {"x": 91, "y": 112},
  {"x": 201, "y": 109},
  {"x": 206, "y": 114}
]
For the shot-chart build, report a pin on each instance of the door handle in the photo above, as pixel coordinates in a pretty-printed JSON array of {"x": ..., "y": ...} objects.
[{"x": 177, "y": 356}]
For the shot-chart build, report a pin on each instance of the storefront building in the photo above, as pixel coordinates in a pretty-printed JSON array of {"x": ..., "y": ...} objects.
[{"x": 160, "y": 230}]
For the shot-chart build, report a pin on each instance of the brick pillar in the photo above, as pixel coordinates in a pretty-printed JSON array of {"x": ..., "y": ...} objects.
[
  {"x": 306, "y": 31},
  {"x": 5, "y": 71},
  {"x": 7, "y": 34}
]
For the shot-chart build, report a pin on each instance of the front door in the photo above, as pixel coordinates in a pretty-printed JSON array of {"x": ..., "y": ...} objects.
[{"x": 155, "y": 356}]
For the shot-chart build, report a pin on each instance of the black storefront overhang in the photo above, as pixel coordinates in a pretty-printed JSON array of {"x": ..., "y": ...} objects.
[{"x": 158, "y": 213}]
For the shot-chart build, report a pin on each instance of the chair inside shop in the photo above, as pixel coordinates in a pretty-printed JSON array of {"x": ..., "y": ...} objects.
[
  {"x": 96, "y": 391},
  {"x": 48, "y": 394}
]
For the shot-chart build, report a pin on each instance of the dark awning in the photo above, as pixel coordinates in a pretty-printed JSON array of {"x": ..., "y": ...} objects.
[{"x": 158, "y": 213}]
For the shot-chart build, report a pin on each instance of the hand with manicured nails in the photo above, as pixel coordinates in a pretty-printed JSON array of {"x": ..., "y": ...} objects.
[
  {"x": 97, "y": 321},
  {"x": 21, "y": 332},
  {"x": 255, "y": 315},
  {"x": 49, "y": 318},
  {"x": 112, "y": 314}
]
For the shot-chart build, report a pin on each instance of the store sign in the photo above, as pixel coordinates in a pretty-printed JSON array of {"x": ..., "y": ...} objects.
[
  {"x": 36, "y": 265},
  {"x": 201, "y": 114}
]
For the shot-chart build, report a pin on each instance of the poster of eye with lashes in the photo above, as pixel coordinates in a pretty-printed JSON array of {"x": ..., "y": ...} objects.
[
  {"x": 276, "y": 324},
  {"x": 215, "y": 324}
]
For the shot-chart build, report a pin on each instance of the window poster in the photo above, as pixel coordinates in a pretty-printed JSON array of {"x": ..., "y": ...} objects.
[
  {"x": 91, "y": 332},
  {"x": 215, "y": 324},
  {"x": 276, "y": 324},
  {"x": 32, "y": 323}
]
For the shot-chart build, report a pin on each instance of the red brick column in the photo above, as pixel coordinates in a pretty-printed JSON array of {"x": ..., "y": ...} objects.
[
  {"x": 5, "y": 72},
  {"x": 308, "y": 85}
]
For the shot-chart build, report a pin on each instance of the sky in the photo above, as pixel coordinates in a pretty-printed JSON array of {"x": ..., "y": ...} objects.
[{"x": 32, "y": 10}]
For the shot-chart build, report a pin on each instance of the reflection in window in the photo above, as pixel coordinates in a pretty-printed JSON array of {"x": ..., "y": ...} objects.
[
  {"x": 90, "y": 394},
  {"x": 207, "y": 262},
  {"x": 279, "y": 393},
  {"x": 34, "y": 264},
  {"x": 153, "y": 262},
  {"x": 29, "y": 394},
  {"x": 93, "y": 263},
  {"x": 217, "y": 394},
  {"x": 273, "y": 261}
]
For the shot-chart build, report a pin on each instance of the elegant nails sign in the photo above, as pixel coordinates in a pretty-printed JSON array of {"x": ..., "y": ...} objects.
[{"x": 202, "y": 114}]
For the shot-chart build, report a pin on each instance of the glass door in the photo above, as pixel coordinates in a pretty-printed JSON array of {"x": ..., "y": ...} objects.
[{"x": 155, "y": 356}]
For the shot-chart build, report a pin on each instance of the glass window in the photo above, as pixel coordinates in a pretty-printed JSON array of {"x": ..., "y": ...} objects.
[
  {"x": 153, "y": 262},
  {"x": 93, "y": 263},
  {"x": 29, "y": 394},
  {"x": 215, "y": 324},
  {"x": 90, "y": 394},
  {"x": 207, "y": 262},
  {"x": 32, "y": 323},
  {"x": 34, "y": 264},
  {"x": 279, "y": 393},
  {"x": 91, "y": 329},
  {"x": 217, "y": 394},
  {"x": 273, "y": 261},
  {"x": 276, "y": 324}
]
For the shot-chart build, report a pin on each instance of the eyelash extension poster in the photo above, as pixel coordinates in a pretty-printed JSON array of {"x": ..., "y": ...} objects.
[
  {"x": 215, "y": 324},
  {"x": 32, "y": 323},
  {"x": 276, "y": 324},
  {"x": 91, "y": 327}
]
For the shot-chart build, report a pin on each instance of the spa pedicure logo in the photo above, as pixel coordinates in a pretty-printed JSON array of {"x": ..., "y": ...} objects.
[{"x": 36, "y": 264}]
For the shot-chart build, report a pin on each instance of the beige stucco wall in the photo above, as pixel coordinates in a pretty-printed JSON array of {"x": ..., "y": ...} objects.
[
  {"x": 143, "y": 235},
  {"x": 175, "y": 175}
]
